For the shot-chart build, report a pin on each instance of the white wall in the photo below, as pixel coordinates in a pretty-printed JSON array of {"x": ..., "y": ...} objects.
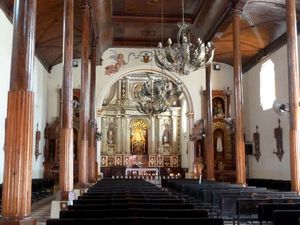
[
  {"x": 269, "y": 165},
  {"x": 40, "y": 105},
  {"x": 54, "y": 81}
]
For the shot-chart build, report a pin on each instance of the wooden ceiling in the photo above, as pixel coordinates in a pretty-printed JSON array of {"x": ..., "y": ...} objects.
[{"x": 138, "y": 23}]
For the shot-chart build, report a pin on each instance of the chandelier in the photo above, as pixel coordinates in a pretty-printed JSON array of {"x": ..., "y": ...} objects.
[
  {"x": 157, "y": 94},
  {"x": 184, "y": 57}
]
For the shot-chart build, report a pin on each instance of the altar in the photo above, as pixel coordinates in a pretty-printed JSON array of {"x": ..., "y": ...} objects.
[{"x": 141, "y": 172}]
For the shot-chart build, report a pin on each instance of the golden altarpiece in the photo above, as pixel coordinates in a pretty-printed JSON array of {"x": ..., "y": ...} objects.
[
  {"x": 223, "y": 137},
  {"x": 130, "y": 139}
]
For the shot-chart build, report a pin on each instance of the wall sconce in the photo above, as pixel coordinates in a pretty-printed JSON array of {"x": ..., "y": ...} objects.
[
  {"x": 278, "y": 136},
  {"x": 256, "y": 140},
  {"x": 75, "y": 63},
  {"x": 216, "y": 66},
  {"x": 37, "y": 142}
]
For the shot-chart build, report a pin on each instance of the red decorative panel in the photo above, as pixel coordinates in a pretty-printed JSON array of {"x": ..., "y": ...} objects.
[
  {"x": 152, "y": 161},
  {"x": 104, "y": 161}
]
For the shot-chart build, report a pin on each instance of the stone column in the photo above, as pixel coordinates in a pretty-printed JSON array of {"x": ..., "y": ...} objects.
[
  {"x": 238, "y": 95},
  {"x": 152, "y": 139},
  {"x": 293, "y": 78},
  {"x": 119, "y": 146},
  {"x": 124, "y": 134},
  {"x": 104, "y": 133},
  {"x": 174, "y": 132},
  {"x": 160, "y": 133},
  {"x": 127, "y": 146},
  {"x": 84, "y": 92},
  {"x": 210, "y": 154},
  {"x": 16, "y": 194},
  {"x": 191, "y": 153}
]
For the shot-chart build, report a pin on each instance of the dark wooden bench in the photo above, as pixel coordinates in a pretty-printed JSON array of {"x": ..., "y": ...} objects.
[
  {"x": 247, "y": 209},
  {"x": 169, "y": 213},
  {"x": 137, "y": 205},
  {"x": 286, "y": 217},
  {"x": 265, "y": 210},
  {"x": 137, "y": 221}
]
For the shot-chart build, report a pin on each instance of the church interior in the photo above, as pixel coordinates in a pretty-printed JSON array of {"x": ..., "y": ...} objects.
[{"x": 149, "y": 111}]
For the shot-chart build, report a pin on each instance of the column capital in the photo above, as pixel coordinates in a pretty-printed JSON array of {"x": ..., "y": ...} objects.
[
  {"x": 190, "y": 114},
  {"x": 237, "y": 11}
]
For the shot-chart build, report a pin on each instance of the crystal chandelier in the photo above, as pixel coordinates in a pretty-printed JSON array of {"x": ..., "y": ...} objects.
[
  {"x": 184, "y": 57},
  {"x": 157, "y": 95}
]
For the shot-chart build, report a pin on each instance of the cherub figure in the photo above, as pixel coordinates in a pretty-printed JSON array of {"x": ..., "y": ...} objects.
[{"x": 113, "y": 68}]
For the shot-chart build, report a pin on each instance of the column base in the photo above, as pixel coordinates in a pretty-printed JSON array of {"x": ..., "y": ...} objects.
[
  {"x": 82, "y": 186},
  {"x": 67, "y": 195},
  {"x": 211, "y": 179},
  {"x": 24, "y": 221}
]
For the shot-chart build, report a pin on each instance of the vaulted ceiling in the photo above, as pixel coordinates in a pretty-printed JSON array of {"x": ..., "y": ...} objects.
[{"x": 143, "y": 23}]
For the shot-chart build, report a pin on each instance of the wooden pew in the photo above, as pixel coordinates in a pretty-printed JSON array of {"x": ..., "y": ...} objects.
[
  {"x": 137, "y": 221},
  {"x": 286, "y": 217},
  {"x": 265, "y": 210},
  {"x": 169, "y": 213}
]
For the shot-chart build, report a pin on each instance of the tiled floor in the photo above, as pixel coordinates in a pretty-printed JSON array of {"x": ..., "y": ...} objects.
[{"x": 41, "y": 210}]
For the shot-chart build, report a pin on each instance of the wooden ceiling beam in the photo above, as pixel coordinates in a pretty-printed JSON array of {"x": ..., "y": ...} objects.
[
  {"x": 101, "y": 17},
  {"x": 148, "y": 19},
  {"x": 4, "y": 5},
  {"x": 209, "y": 19},
  {"x": 43, "y": 60},
  {"x": 209, "y": 36},
  {"x": 275, "y": 45}
]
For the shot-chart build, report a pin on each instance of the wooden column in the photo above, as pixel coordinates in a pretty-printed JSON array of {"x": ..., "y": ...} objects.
[
  {"x": 16, "y": 194},
  {"x": 83, "y": 116},
  {"x": 238, "y": 105},
  {"x": 210, "y": 162},
  {"x": 92, "y": 127},
  {"x": 293, "y": 78},
  {"x": 66, "y": 136}
]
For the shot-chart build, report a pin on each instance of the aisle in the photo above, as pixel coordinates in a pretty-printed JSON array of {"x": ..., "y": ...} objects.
[{"x": 41, "y": 210}]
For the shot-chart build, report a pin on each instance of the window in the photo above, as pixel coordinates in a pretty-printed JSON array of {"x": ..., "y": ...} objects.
[{"x": 267, "y": 85}]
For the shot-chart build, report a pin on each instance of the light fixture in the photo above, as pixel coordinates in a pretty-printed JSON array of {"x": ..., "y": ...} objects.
[
  {"x": 183, "y": 57},
  {"x": 157, "y": 94}
]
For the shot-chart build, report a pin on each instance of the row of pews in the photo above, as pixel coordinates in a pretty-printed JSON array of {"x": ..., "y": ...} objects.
[
  {"x": 132, "y": 202},
  {"x": 240, "y": 204}
]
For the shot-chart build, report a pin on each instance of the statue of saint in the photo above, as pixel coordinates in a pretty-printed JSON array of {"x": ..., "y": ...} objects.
[
  {"x": 165, "y": 137},
  {"x": 219, "y": 145},
  {"x": 110, "y": 136}
]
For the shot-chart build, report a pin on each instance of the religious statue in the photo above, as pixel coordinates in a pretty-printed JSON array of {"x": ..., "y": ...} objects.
[
  {"x": 219, "y": 145},
  {"x": 110, "y": 136},
  {"x": 218, "y": 110},
  {"x": 165, "y": 137}
]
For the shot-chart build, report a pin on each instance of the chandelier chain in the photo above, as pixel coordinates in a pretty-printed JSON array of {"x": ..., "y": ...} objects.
[{"x": 182, "y": 4}]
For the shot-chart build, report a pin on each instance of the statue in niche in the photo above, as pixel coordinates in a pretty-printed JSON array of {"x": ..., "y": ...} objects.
[
  {"x": 165, "y": 137},
  {"x": 218, "y": 111},
  {"x": 110, "y": 136},
  {"x": 138, "y": 141},
  {"x": 219, "y": 146}
]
